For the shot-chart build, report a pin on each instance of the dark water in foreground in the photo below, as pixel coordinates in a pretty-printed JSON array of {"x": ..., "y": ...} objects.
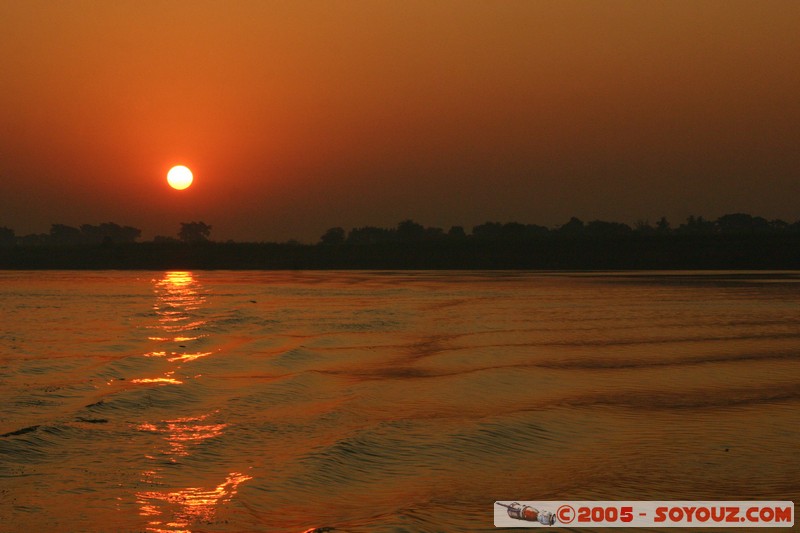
[{"x": 377, "y": 402}]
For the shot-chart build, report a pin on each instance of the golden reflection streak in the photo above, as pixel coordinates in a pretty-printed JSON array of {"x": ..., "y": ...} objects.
[
  {"x": 179, "y": 278},
  {"x": 188, "y": 356},
  {"x": 175, "y": 339},
  {"x": 160, "y": 381},
  {"x": 193, "y": 504},
  {"x": 181, "y": 432},
  {"x": 173, "y": 511},
  {"x": 178, "y": 294},
  {"x": 175, "y": 356}
]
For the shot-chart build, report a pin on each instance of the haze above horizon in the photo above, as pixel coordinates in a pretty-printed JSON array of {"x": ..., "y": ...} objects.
[{"x": 296, "y": 117}]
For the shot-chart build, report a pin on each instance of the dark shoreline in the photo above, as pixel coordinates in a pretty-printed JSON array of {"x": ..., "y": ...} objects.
[{"x": 663, "y": 252}]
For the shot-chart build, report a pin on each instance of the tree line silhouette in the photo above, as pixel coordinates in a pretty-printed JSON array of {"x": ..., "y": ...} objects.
[
  {"x": 107, "y": 233},
  {"x": 732, "y": 241},
  {"x": 410, "y": 231}
]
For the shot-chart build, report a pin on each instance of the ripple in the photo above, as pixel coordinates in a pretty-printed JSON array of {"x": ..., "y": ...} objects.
[{"x": 384, "y": 402}]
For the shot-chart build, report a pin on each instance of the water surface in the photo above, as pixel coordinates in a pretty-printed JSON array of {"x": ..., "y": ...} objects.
[{"x": 387, "y": 401}]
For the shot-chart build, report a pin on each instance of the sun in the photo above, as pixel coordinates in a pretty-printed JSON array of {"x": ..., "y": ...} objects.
[{"x": 179, "y": 177}]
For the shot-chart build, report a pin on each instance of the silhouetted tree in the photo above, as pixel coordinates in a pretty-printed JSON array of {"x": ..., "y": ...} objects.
[
  {"x": 109, "y": 232},
  {"x": 573, "y": 227},
  {"x": 7, "y": 237},
  {"x": 643, "y": 227},
  {"x": 742, "y": 223},
  {"x": 599, "y": 228},
  {"x": 410, "y": 231},
  {"x": 534, "y": 231},
  {"x": 127, "y": 234},
  {"x": 433, "y": 234},
  {"x": 91, "y": 234},
  {"x": 696, "y": 226},
  {"x": 61, "y": 234},
  {"x": 662, "y": 226},
  {"x": 514, "y": 231},
  {"x": 369, "y": 235},
  {"x": 457, "y": 232},
  {"x": 488, "y": 231},
  {"x": 510, "y": 231},
  {"x": 333, "y": 236},
  {"x": 194, "y": 232},
  {"x": 34, "y": 239},
  {"x": 778, "y": 225}
]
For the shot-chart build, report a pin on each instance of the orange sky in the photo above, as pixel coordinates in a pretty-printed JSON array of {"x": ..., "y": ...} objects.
[{"x": 298, "y": 116}]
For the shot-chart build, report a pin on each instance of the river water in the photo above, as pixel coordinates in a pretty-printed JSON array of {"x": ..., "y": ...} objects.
[{"x": 387, "y": 401}]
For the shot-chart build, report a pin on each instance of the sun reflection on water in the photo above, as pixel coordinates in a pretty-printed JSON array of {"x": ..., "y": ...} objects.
[
  {"x": 179, "y": 298},
  {"x": 174, "y": 511},
  {"x": 182, "y": 432},
  {"x": 158, "y": 381},
  {"x": 187, "y": 356},
  {"x": 177, "y": 295}
]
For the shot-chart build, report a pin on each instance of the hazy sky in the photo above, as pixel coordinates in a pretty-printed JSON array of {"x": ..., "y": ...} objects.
[{"x": 297, "y": 116}]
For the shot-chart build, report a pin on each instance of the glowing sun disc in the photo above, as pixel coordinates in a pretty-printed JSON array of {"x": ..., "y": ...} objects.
[{"x": 179, "y": 177}]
